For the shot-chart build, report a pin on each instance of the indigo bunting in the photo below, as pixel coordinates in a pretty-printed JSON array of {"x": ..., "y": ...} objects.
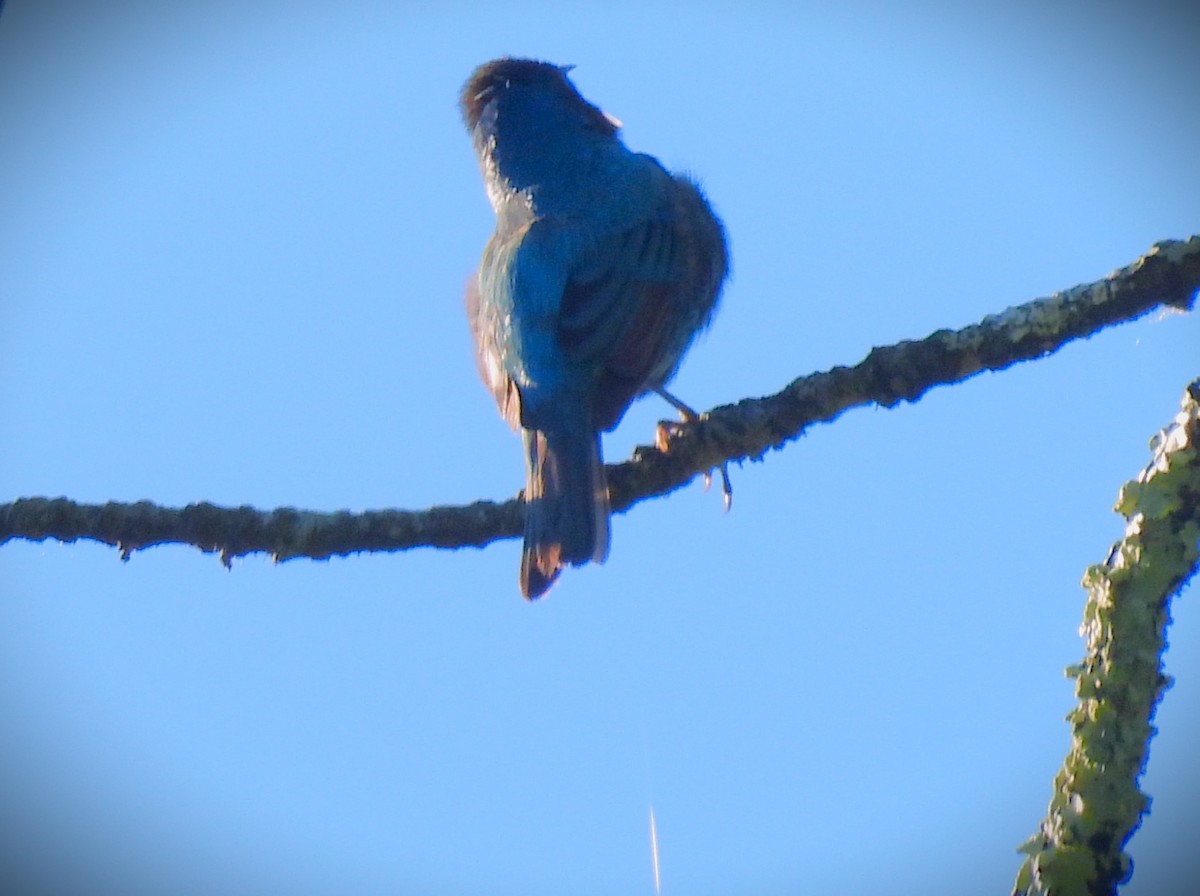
[{"x": 602, "y": 268}]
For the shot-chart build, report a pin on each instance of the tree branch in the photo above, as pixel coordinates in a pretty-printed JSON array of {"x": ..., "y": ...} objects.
[
  {"x": 1167, "y": 276},
  {"x": 1097, "y": 804}
]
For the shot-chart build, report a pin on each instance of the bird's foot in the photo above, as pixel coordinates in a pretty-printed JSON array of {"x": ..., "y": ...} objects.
[{"x": 668, "y": 429}]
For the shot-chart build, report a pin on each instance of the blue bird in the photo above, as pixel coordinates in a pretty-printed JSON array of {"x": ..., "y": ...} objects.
[{"x": 602, "y": 269}]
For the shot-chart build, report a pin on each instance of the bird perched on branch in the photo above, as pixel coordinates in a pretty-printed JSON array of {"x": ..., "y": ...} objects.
[{"x": 602, "y": 269}]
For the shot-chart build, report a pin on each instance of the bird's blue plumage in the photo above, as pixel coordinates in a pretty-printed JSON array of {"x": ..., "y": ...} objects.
[{"x": 602, "y": 268}]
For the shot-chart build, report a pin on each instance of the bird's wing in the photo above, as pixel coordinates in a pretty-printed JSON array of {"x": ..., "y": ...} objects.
[
  {"x": 616, "y": 310},
  {"x": 489, "y": 360}
]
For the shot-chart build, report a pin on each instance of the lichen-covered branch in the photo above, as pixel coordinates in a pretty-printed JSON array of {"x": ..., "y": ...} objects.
[
  {"x": 1097, "y": 804},
  {"x": 1167, "y": 276}
]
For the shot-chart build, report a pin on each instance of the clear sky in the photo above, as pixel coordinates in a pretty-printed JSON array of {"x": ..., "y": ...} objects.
[{"x": 232, "y": 252}]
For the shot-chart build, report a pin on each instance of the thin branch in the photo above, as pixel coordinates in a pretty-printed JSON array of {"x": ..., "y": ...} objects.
[
  {"x": 1167, "y": 276},
  {"x": 1097, "y": 804}
]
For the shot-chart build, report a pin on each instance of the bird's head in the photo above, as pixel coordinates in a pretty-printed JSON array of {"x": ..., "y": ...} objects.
[{"x": 525, "y": 97}]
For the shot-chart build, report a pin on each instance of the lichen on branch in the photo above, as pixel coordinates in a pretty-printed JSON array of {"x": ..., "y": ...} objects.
[{"x": 1097, "y": 802}]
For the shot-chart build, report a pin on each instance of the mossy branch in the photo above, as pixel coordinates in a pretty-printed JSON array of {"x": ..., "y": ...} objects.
[
  {"x": 1097, "y": 804},
  {"x": 1167, "y": 276}
]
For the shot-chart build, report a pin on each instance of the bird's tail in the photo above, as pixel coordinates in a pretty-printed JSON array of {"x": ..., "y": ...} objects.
[{"x": 566, "y": 504}]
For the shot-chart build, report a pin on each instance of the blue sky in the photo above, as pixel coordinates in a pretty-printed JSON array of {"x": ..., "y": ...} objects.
[{"x": 232, "y": 252}]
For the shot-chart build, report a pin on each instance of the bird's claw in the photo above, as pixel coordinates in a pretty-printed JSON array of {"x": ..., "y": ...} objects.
[{"x": 726, "y": 485}]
